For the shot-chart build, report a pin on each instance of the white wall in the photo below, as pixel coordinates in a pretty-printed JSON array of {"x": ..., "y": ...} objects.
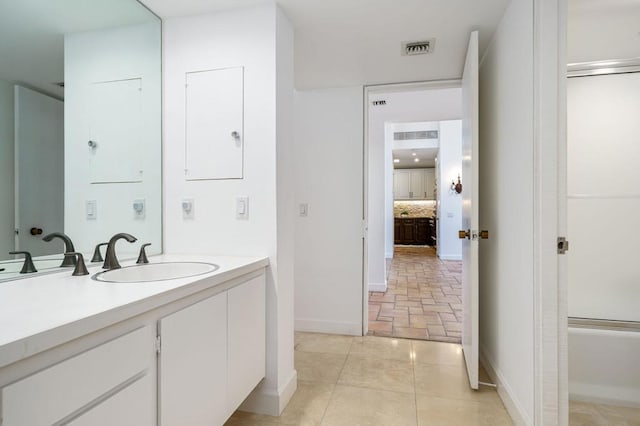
[
  {"x": 450, "y": 205},
  {"x": 6, "y": 170},
  {"x": 410, "y": 106},
  {"x": 328, "y": 156},
  {"x": 259, "y": 39},
  {"x": 99, "y": 56},
  {"x": 601, "y": 30},
  {"x": 506, "y": 209}
]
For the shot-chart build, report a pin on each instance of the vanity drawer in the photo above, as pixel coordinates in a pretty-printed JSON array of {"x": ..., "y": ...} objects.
[{"x": 70, "y": 388}]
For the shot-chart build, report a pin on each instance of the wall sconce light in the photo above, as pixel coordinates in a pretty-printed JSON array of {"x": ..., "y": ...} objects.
[{"x": 456, "y": 187}]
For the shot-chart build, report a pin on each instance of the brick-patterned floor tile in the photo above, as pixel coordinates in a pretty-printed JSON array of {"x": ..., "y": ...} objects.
[{"x": 423, "y": 297}]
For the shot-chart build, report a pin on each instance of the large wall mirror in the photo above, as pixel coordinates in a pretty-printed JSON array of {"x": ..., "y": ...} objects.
[{"x": 80, "y": 128}]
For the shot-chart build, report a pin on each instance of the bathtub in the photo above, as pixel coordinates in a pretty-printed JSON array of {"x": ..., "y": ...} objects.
[{"x": 604, "y": 362}]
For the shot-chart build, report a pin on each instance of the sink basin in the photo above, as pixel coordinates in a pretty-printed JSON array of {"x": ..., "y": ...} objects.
[{"x": 155, "y": 272}]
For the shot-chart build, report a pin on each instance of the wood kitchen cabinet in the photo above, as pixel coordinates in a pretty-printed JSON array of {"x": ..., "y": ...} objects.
[
  {"x": 414, "y": 184},
  {"x": 412, "y": 231}
]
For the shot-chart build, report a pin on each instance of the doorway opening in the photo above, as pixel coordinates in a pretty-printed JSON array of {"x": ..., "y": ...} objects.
[{"x": 415, "y": 269}]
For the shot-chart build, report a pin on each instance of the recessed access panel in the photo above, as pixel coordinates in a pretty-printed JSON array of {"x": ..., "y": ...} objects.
[
  {"x": 115, "y": 123},
  {"x": 214, "y": 124}
]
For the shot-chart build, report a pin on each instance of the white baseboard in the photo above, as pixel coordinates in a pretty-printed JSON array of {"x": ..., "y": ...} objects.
[
  {"x": 271, "y": 401},
  {"x": 329, "y": 327},
  {"x": 512, "y": 404},
  {"x": 450, "y": 256},
  {"x": 388, "y": 255},
  {"x": 378, "y": 287}
]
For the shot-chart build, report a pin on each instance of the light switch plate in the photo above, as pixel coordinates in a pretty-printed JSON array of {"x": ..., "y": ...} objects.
[
  {"x": 242, "y": 208},
  {"x": 91, "y": 210},
  {"x": 304, "y": 209},
  {"x": 139, "y": 209},
  {"x": 188, "y": 208}
]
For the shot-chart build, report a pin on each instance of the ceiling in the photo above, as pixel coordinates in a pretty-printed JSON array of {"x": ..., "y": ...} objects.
[
  {"x": 357, "y": 42},
  {"x": 32, "y": 35},
  {"x": 427, "y": 157}
]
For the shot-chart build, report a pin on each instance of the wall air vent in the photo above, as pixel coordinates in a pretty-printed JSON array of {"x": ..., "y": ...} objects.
[
  {"x": 411, "y": 48},
  {"x": 381, "y": 102},
  {"x": 407, "y": 136}
]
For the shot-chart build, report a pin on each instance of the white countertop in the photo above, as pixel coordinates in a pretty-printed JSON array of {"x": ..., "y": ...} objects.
[{"x": 39, "y": 313}]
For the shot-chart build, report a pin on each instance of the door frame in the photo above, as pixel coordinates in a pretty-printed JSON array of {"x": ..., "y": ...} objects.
[
  {"x": 551, "y": 405},
  {"x": 366, "y": 91}
]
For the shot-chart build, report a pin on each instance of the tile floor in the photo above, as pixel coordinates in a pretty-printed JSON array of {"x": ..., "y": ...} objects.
[
  {"x": 585, "y": 414},
  {"x": 423, "y": 298},
  {"x": 351, "y": 381}
]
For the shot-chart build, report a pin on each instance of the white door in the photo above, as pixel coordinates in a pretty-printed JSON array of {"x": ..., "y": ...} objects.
[
  {"x": 39, "y": 174},
  {"x": 470, "y": 210}
]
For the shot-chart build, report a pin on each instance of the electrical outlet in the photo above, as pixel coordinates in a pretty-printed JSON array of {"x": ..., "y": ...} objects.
[{"x": 139, "y": 209}]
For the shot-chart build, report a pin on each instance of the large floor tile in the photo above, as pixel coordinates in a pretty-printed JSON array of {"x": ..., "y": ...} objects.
[
  {"x": 381, "y": 348},
  {"x": 433, "y": 411},
  {"x": 323, "y": 343},
  {"x": 308, "y": 404},
  {"x": 587, "y": 414},
  {"x": 382, "y": 374},
  {"x": 319, "y": 367},
  {"x": 350, "y": 406},
  {"x": 438, "y": 353},
  {"x": 450, "y": 382}
]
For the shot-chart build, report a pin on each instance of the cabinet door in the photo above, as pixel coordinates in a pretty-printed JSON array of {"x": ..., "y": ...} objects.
[
  {"x": 193, "y": 364},
  {"x": 401, "y": 184},
  {"x": 246, "y": 345},
  {"x": 430, "y": 184},
  {"x": 397, "y": 231},
  {"x": 408, "y": 231},
  {"x": 133, "y": 405},
  {"x": 67, "y": 390},
  {"x": 417, "y": 184},
  {"x": 422, "y": 231}
]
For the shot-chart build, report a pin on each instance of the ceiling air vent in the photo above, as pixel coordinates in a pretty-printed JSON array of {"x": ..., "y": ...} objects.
[
  {"x": 423, "y": 134},
  {"x": 381, "y": 102},
  {"x": 418, "y": 47}
]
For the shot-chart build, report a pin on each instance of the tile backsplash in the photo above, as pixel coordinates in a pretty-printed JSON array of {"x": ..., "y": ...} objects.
[{"x": 422, "y": 208}]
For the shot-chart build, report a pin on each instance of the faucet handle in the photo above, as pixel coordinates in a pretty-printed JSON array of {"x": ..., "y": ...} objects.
[
  {"x": 81, "y": 268},
  {"x": 142, "y": 258},
  {"x": 97, "y": 256},
  {"x": 28, "y": 267}
]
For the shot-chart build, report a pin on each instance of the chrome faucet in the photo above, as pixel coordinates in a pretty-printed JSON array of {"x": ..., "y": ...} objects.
[
  {"x": 110, "y": 259},
  {"x": 69, "y": 259}
]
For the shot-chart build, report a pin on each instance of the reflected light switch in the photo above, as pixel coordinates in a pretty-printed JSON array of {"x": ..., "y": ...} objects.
[
  {"x": 139, "y": 209},
  {"x": 304, "y": 209},
  {"x": 92, "y": 210}
]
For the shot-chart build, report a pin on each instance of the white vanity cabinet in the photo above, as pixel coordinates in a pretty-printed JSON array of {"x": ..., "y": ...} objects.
[
  {"x": 113, "y": 382},
  {"x": 212, "y": 356}
]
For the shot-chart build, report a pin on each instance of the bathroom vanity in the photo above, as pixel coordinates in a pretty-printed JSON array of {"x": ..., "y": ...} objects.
[{"x": 183, "y": 351}]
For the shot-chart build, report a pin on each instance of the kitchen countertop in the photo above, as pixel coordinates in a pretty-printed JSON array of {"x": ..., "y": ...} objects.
[
  {"x": 39, "y": 313},
  {"x": 413, "y": 217}
]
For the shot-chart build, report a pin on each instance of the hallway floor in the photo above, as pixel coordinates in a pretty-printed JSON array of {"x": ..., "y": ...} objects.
[
  {"x": 423, "y": 297},
  {"x": 347, "y": 381}
]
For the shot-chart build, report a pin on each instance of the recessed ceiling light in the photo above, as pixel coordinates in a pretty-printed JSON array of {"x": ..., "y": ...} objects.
[
  {"x": 396, "y": 160},
  {"x": 414, "y": 154},
  {"x": 416, "y": 159}
]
